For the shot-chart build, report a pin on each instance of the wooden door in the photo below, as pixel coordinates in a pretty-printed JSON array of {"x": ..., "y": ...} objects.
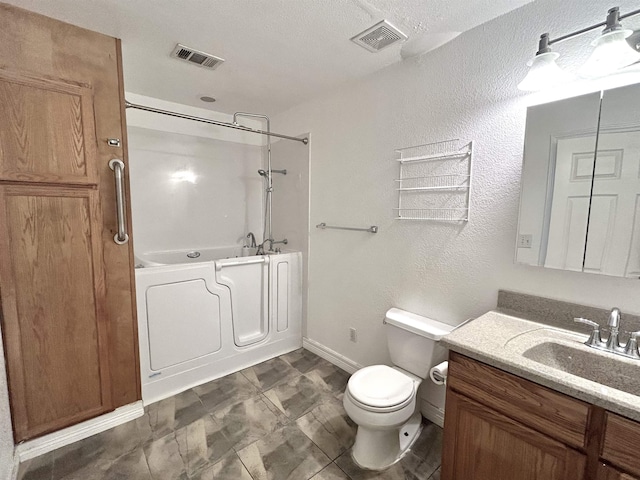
[
  {"x": 68, "y": 317},
  {"x": 481, "y": 444}
]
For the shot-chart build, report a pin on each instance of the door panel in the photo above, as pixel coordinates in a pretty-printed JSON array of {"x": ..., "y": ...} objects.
[
  {"x": 53, "y": 297},
  {"x": 183, "y": 319},
  {"x": 612, "y": 242},
  {"x": 247, "y": 281},
  {"x": 50, "y": 134},
  {"x": 598, "y": 249},
  {"x": 570, "y": 208}
]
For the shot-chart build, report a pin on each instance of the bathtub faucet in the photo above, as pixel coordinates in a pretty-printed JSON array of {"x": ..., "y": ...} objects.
[
  {"x": 253, "y": 240},
  {"x": 271, "y": 242}
]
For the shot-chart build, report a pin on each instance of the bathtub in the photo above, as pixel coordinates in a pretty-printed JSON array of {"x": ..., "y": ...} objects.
[{"x": 201, "y": 317}]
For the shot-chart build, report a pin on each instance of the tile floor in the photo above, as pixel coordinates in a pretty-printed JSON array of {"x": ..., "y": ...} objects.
[{"x": 281, "y": 419}]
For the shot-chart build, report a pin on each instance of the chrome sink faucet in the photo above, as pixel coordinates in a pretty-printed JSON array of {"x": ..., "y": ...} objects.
[{"x": 613, "y": 341}]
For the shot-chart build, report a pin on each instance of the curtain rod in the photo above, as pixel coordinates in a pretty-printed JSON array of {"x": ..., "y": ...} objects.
[{"x": 212, "y": 122}]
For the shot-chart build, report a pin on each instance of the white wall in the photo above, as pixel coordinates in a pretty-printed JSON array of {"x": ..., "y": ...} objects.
[
  {"x": 193, "y": 185},
  {"x": 467, "y": 90}
]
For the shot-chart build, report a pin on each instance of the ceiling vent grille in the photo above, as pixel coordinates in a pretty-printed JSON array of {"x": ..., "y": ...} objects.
[
  {"x": 196, "y": 57},
  {"x": 379, "y": 37}
]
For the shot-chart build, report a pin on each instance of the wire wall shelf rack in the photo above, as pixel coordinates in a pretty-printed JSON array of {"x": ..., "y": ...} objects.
[{"x": 435, "y": 181}]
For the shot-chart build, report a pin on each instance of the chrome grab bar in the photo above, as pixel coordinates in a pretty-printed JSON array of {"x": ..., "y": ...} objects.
[
  {"x": 235, "y": 263},
  {"x": 371, "y": 229},
  {"x": 117, "y": 166}
]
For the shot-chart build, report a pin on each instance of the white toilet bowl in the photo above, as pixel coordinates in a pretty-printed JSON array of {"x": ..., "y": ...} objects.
[{"x": 381, "y": 400}]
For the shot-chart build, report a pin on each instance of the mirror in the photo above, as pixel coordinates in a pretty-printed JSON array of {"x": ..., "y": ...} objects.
[{"x": 581, "y": 211}]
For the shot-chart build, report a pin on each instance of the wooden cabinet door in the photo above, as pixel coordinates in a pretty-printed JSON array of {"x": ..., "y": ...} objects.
[
  {"x": 66, "y": 288},
  {"x": 621, "y": 445},
  {"x": 481, "y": 444},
  {"x": 53, "y": 292}
]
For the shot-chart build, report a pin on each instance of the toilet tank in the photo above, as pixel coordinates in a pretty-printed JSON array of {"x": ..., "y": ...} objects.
[{"x": 413, "y": 341}]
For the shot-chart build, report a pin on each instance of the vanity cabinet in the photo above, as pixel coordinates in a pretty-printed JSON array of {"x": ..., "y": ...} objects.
[{"x": 500, "y": 427}]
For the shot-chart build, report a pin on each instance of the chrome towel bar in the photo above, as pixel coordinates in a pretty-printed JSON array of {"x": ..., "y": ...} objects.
[{"x": 371, "y": 229}]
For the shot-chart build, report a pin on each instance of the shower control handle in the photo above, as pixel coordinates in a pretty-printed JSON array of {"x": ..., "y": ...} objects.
[{"x": 117, "y": 166}]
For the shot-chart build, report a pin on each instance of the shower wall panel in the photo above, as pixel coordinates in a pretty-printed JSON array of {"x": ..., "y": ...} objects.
[{"x": 191, "y": 192}]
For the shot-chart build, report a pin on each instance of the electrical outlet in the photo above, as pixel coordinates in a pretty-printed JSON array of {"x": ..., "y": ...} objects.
[
  {"x": 353, "y": 336},
  {"x": 524, "y": 241}
]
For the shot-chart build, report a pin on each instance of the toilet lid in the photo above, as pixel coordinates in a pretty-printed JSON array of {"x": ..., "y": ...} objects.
[{"x": 380, "y": 386}]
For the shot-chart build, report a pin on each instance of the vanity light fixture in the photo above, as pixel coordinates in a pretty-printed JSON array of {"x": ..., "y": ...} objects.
[
  {"x": 543, "y": 70},
  {"x": 611, "y": 53}
]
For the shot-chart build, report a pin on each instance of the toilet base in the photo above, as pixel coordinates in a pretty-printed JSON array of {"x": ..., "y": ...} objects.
[{"x": 379, "y": 449}]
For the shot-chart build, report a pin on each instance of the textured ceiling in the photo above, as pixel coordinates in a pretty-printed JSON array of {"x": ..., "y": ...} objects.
[{"x": 278, "y": 52}]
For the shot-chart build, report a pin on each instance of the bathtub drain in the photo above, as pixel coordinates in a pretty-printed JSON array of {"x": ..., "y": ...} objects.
[{"x": 193, "y": 254}]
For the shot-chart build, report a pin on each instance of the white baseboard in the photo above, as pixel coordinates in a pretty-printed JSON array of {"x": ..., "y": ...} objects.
[
  {"x": 332, "y": 356},
  {"x": 432, "y": 413},
  {"x": 16, "y": 466},
  {"x": 47, "y": 443}
]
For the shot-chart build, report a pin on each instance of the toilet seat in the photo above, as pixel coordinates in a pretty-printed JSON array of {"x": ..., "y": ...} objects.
[{"x": 380, "y": 388}]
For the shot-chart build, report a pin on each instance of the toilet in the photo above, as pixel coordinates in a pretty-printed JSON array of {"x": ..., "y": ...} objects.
[{"x": 382, "y": 401}]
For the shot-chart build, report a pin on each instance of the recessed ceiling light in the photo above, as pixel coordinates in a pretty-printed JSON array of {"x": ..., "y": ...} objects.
[{"x": 204, "y": 98}]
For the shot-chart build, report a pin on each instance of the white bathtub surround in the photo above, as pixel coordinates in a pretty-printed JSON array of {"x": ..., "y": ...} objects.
[
  {"x": 201, "y": 321},
  {"x": 291, "y": 203},
  {"x": 192, "y": 192}
]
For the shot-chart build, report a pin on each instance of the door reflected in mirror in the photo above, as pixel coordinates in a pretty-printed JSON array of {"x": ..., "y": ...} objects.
[{"x": 581, "y": 211}]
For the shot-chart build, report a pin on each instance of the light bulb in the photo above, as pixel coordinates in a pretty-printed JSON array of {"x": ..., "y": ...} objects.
[
  {"x": 544, "y": 72},
  {"x": 611, "y": 53}
]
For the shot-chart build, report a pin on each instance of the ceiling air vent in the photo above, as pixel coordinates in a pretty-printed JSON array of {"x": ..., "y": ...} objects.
[
  {"x": 196, "y": 57},
  {"x": 378, "y": 37}
]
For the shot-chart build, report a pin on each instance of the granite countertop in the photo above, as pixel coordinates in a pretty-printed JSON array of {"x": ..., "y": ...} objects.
[{"x": 497, "y": 339}]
